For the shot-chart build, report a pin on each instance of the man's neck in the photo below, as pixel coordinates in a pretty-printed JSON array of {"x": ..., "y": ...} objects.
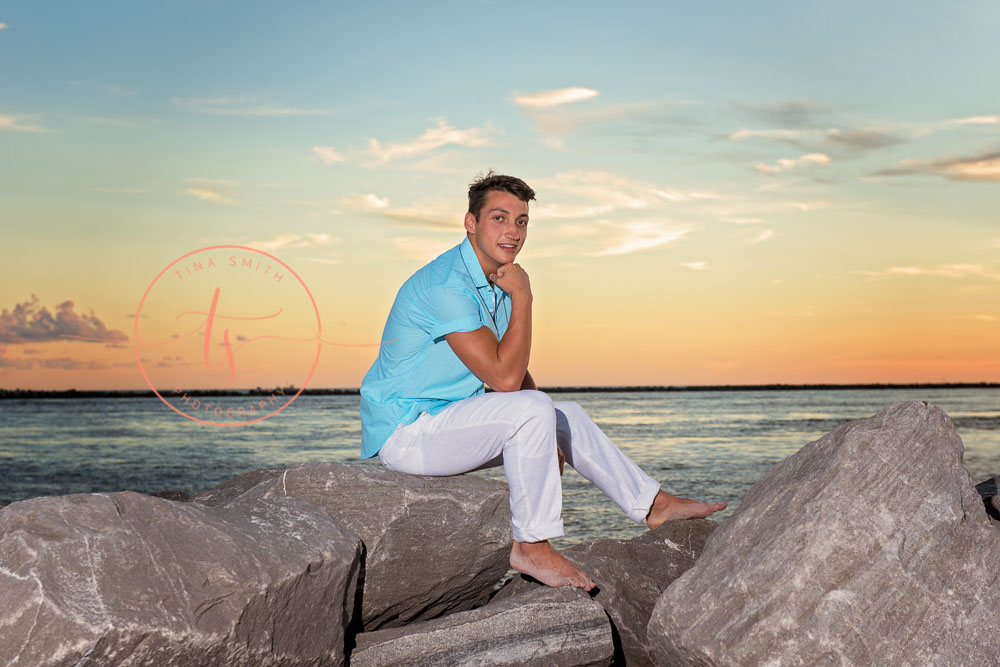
[{"x": 484, "y": 262}]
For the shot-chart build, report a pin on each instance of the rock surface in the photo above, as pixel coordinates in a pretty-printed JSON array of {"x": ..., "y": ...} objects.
[
  {"x": 128, "y": 579},
  {"x": 548, "y": 626},
  {"x": 631, "y": 576},
  {"x": 868, "y": 546},
  {"x": 433, "y": 545}
]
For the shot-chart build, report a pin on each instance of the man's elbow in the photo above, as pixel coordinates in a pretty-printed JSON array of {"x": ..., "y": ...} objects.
[{"x": 507, "y": 384}]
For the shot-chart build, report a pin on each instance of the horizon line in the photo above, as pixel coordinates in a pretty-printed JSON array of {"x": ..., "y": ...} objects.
[{"x": 773, "y": 386}]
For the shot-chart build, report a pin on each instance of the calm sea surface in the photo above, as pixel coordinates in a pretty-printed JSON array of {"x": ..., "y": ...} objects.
[{"x": 709, "y": 445}]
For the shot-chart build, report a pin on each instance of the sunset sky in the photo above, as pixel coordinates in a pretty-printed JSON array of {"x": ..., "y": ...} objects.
[{"x": 727, "y": 192}]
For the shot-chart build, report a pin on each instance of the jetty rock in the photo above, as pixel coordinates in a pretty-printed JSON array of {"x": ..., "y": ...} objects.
[
  {"x": 129, "y": 579},
  {"x": 630, "y": 576},
  {"x": 558, "y": 627},
  {"x": 869, "y": 546},
  {"x": 433, "y": 545}
]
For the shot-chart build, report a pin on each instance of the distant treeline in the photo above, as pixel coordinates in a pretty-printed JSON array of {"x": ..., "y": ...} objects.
[{"x": 135, "y": 393}]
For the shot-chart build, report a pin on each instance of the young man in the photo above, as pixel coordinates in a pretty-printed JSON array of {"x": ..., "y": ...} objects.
[{"x": 464, "y": 320}]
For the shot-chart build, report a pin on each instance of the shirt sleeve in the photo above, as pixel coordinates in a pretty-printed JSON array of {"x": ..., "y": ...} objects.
[{"x": 445, "y": 309}]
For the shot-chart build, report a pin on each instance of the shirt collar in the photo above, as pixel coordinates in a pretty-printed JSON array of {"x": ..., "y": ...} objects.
[{"x": 472, "y": 264}]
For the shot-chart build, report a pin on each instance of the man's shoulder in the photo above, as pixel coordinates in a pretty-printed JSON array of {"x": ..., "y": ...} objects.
[{"x": 447, "y": 269}]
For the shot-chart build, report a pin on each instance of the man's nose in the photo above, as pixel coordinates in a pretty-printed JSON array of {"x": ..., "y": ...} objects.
[{"x": 512, "y": 231}]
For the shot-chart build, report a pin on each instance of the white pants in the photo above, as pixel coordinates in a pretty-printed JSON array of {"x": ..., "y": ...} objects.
[{"x": 519, "y": 430}]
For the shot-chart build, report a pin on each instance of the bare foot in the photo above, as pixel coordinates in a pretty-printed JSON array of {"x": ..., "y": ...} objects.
[
  {"x": 541, "y": 561},
  {"x": 666, "y": 507}
]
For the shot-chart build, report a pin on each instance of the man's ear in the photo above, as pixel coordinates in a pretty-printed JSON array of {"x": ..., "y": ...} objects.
[{"x": 470, "y": 223}]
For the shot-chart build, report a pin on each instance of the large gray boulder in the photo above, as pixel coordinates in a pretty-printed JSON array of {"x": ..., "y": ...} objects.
[
  {"x": 433, "y": 545},
  {"x": 560, "y": 627},
  {"x": 631, "y": 575},
  {"x": 869, "y": 546},
  {"x": 128, "y": 579}
]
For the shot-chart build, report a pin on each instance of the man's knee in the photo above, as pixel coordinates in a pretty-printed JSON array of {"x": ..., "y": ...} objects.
[
  {"x": 570, "y": 408},
  {"x": 533, "y": 401},
  {"x": 532, "y": 405}
]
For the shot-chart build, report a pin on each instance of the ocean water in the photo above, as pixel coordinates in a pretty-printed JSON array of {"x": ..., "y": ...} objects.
[{"x": 711, "y": 445}]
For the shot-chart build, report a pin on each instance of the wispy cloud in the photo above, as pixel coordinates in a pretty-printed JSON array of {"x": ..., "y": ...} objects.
[
  {"x": 211, "y": 195},
  {"x": 940, "y": 270},
  {"x": 60, "y": 363},
  {"x": 229, "y": 106},
  {"x": 859, "y": 139},
  {"x": 788, "y": 164},
  {"x": 984, "y": 168},
  {"x": 626, "y": 118},
  {"x": 806, "y": 205},
  {"x": 552, "y": 98},
  {"x": 328, "y": 155},
  {"x": 442, "y": 134},
  {"x": 761, "y": 236},
  {"x": 695, "y": 266},
  {"x": 215, "y": 190},
  {"x": 789, "y": 113},
  {"x": 742, "y": 221},
  {"x": 640, "y": 235},
  {"x": 589, "y": 194},
  {"x": 290, "y": 240},
  {"x": 792, "y": 135},
  {"x": 976, "y": 120},
  {"x": 3, "y": 26},
  {"x": 20, "y": 124},
  {"x": 29, "y": 322},
  {"x": 424, "y": 214}
]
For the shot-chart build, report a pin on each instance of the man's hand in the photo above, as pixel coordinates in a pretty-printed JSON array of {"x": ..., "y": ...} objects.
[
  {"x": 502, "y": 364},
  {"x": 511, "y": 278}
]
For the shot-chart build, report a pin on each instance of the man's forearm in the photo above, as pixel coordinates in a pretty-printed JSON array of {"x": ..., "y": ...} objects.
[{"x": 515, "y": 346}]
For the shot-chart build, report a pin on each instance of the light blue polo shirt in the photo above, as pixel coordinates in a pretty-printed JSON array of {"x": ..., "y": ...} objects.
[{"x": 416, "y": 370}]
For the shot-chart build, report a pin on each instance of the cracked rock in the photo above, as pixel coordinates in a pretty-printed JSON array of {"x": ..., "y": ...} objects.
[
  {"x": 631, "y": 575},
  {"x": 558, "y": 627},
  {"x": 433, "y": 545},
  {"x": 869, "y": 546},
  {"x": 129, "y": 579}
]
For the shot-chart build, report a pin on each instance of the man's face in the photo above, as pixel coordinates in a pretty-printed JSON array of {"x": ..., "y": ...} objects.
[{"x": 500, "y": 231}]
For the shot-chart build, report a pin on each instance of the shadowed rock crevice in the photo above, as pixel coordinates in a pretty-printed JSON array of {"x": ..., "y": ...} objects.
[
  {"x": 631, "y": 575},
  {"x": 433, "y": 545},
  {"x": 991, "y": 496}
]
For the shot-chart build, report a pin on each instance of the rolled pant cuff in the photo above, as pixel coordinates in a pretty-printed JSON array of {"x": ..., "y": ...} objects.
[
  {"x": 538, "y": 533},
  {"x": 644, "y": 502}
]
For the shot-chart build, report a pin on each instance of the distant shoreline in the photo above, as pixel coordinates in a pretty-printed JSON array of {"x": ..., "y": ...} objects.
[{"x": 138, "y": 393}]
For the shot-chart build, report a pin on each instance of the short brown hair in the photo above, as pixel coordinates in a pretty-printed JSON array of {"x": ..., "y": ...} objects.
[{"x": 484, "y": 184}]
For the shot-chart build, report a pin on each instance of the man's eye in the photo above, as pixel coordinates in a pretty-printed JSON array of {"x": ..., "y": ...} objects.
[
  {"x": 498, "y": 218},
  {"x": 523, "y": 223}
]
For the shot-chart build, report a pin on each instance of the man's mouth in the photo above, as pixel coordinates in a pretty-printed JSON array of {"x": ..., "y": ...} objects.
[{"x": 508, "y": 246}]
